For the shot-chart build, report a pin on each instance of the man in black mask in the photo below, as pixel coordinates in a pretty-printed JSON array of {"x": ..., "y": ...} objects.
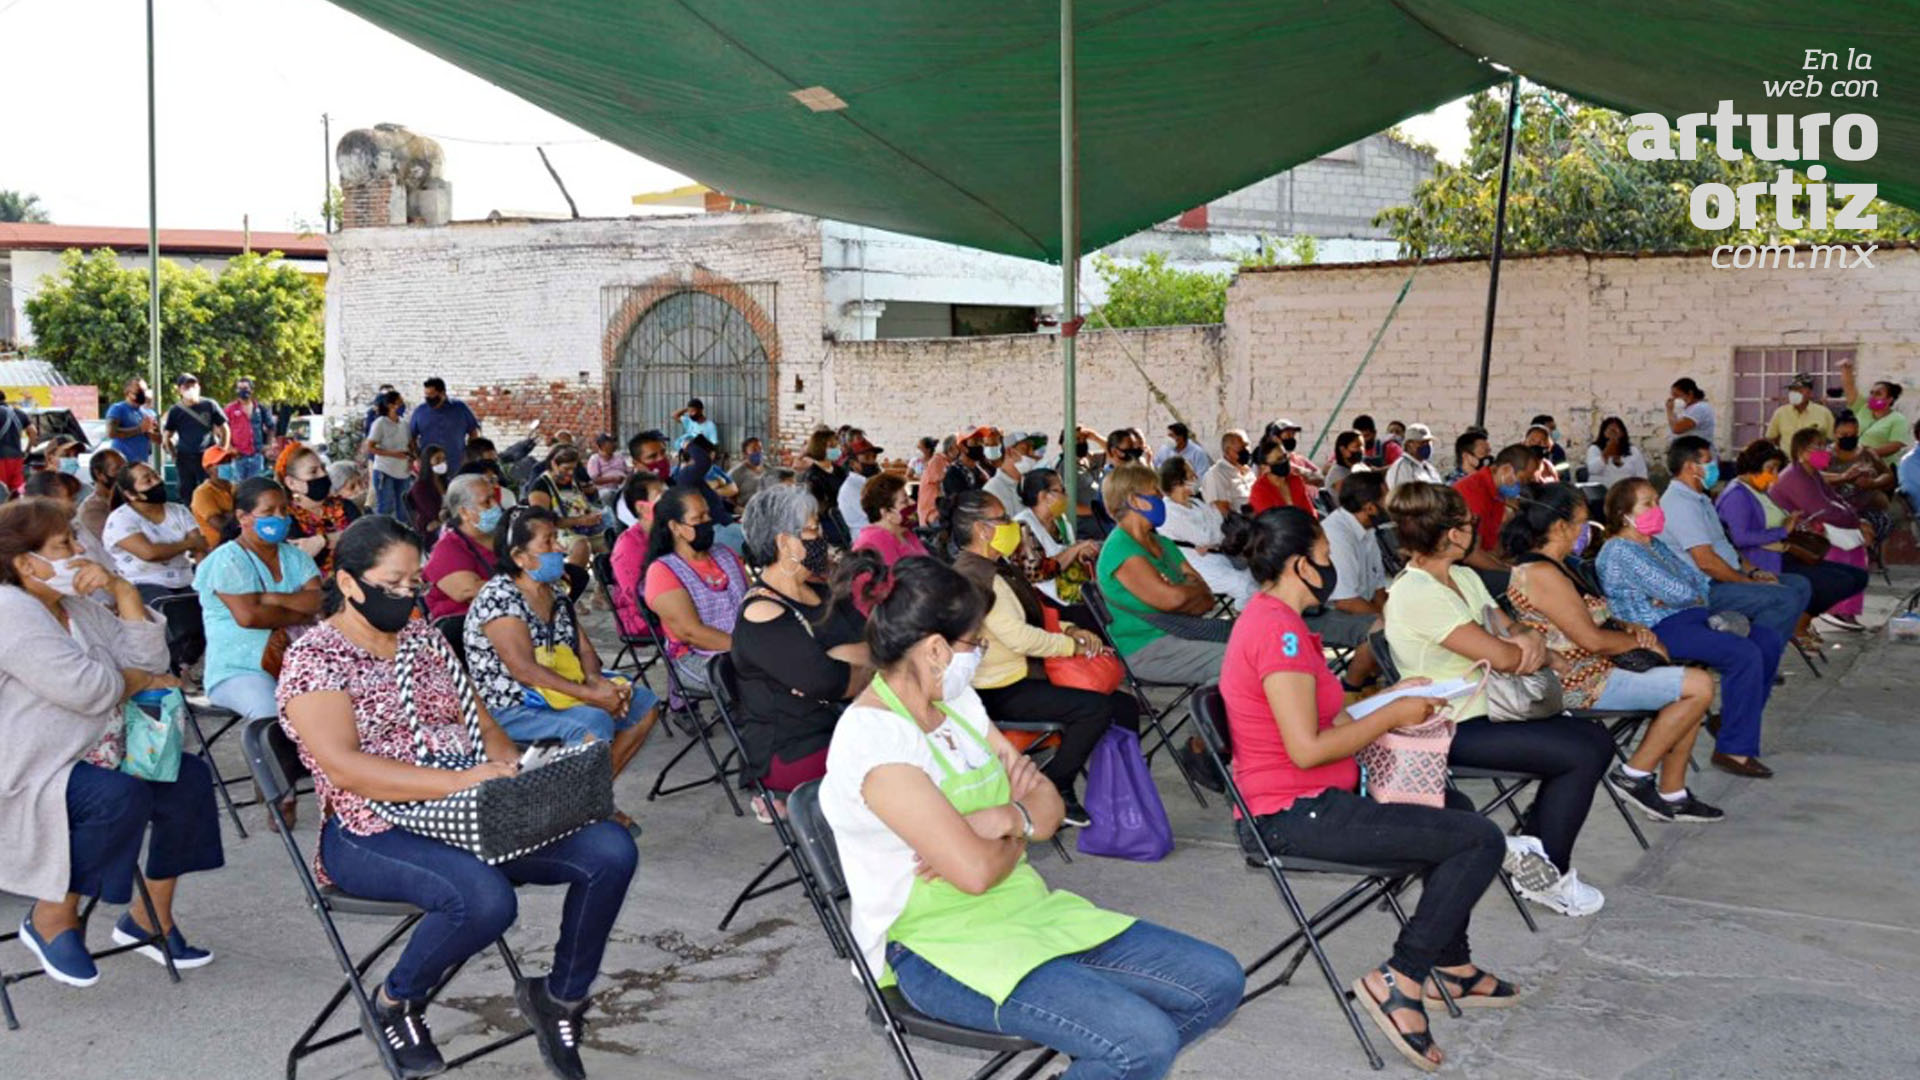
[
  {"x": 1228, "y": 483},
  {"x": 1288, "y": 433}
]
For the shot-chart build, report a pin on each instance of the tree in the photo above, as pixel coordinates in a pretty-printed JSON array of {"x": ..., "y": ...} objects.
[
  {"x": 1575, "y": 186},
  {"x": 1155, "y": 294},
  {"x": 22, "y": 206},
  {"x": 259, "y": 318}
]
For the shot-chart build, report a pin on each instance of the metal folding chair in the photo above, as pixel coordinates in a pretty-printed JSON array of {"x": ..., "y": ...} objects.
[
  {"x": 1392, "y": 559},
  {"x": 1155, "y": 717},
  {"x": 886, "y": 1006},
  {"x": 259, "y": 738},
  {"x": 640, "y": 650},
  {"x": 683, "y": 708}
]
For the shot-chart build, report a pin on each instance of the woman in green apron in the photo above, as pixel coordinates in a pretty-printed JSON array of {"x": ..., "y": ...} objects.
[{"x": 933, "y": 809}]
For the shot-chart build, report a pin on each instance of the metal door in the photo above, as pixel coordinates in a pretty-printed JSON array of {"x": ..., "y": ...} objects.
[{"x": 694, "y": 344}]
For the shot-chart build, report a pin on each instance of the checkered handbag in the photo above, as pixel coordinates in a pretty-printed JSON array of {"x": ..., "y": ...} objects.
[{"x": 504, "y": 818}]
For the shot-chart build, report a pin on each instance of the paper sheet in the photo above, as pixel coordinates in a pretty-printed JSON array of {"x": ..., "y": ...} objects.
[{"x": 1451, "y": 688}]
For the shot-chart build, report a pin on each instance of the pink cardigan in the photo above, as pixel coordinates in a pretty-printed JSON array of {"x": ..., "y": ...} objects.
[{"x": 890, "y": 548}]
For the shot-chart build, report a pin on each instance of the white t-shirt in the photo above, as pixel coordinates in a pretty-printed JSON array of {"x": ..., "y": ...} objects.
[
  {"x": 389, "y": 434},
  {"x": 849, "y": 502},
  {"x": 1701, "y": 414},
  {"x": 1407, "y": 469},
  {"x": 1007, "y": 490},
  {"x": 175, "y": 573},
  {"x": 1227, "y": 483},
  {"x": 1601, "y": 469},
  {"x": 877, "y": 863},
  {"x": 1356, "y": 557}
]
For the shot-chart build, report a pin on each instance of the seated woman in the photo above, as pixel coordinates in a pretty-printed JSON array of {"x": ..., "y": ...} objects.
[
  {"x": 1613, "y": 457},
  {"x": 319, "y": 513},
  {"x": 797, "y": 650},
  {"x": 1196, "y": 526},
  {"x": 429, "y": 490},
  {"x": 153, "y": 543},
  {"x": 629, "y": 557},
  {"x": 1055, "y": 566},
  {"x": 1293, "y": 748},
  {"x": 340, "y": 702},
  {"x": 1139, "y": 573},
  {"x": 583, "y": 526},
  {"x": 694, "y": 585},
  {"x": 1349, "y": 450},
  {"x": 64, "y": 488},
  {"x": 885, "y": 501},
  {"x": 1648, "y": 584},
  {"x": 71, "y": 823},
  {"x": 462, "y": 558},
  {"x": 1548, "y": 527},
  {"x": 1278, "y": 484},
  {"x": 1840, "y": 581},
  {"x": 932, "y": 810},
  {"x": 1009, "y": 683},
  {"x": 1756, "y": 525},
  {"x": 1867, "y": 480},
  {"x": 1441, "y": 621},
  {"x": 519, "y": 612}
]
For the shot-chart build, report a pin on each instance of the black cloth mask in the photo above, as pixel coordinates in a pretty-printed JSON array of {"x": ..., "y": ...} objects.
[
  {"x": 383, "y": 611},
  {"x": 1329, "y": 578},
  {"x": 702, "y": 536}
]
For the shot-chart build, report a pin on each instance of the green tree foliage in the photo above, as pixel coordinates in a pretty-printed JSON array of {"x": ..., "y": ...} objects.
[
  {"x": 22, "y": 206},
  {"x": 1575, "y": 186},
  {"x": 260, "y": 319},
  {"x": 1155, "y": 294}
]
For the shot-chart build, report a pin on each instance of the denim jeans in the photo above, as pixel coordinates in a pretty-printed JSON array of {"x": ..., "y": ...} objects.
[
  {"x": 469, "y": 904},
  {"x": 1460, "y": 849},
  {"x": 1571, "y": 754},
  {"x": 109, "y": 813},
  {"x": 1746, "y": 666},
  {"x": 390, "y": 494},
  {"x": 248, "y": 466},
  {"x": 1122, "y": 1010},
  {"x": 527, "y": 723},
  {"x": 1778, "y": 607},
  {"x": 249, "y": 694}
]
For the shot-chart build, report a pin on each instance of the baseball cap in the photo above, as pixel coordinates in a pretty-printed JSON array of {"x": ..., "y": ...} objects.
[
  {"x": 1419, "y": 433},
  {"x": 1284, "y": 424},
  {"x": 1018, "y": 437},
  {"x": 214, "y": 455},
  {"x": 1803, "y": 381},
  {"x": 186, "y": 378},
  {"x": 862, "y": 446}
]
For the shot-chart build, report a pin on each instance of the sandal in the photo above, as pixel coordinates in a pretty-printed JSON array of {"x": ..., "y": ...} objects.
[
  {"x": 1460, "y": 987},
  {"x": 1413, "y": 1045}
]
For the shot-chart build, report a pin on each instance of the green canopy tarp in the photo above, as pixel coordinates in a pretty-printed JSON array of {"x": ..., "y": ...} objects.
[{"x": 951, "y": 125}]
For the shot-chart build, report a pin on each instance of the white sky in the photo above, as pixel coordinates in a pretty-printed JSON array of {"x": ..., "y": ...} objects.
[{"x": 241, "y": 87}]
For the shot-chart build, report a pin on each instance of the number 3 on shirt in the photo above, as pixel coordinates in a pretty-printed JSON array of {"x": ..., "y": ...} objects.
[{"x": 1290, "y": 644}]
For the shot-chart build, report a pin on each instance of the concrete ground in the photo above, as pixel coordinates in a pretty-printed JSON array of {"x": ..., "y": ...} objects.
[{"x": 1780, "y": 943}]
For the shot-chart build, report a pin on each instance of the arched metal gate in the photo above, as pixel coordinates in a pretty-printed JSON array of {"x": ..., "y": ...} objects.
[{"x": 694, "y": 343}]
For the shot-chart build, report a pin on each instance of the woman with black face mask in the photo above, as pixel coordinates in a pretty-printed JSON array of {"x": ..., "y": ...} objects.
[
  {"x": 154, "y": 543},
  {"x": 319, "y": 515},
  {"x": 1278, "y": 484},
  {"x": 693, "y": 584},
  {"x": 1348, "y": 451}
]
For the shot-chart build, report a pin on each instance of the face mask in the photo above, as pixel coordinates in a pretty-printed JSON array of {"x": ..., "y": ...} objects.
[
  {"x": 1819, "y": 459},
  {"x": 1329, "y": 577},
  {"x": 755, "y": 458},
  {"x": 818, "y": 557},
  {"x": 1425, "y": 451},
  {"x": 553, "y": 567},
  {"x": 1554, "y": 435},
  {"x": 489, "y": 519},
  {"x": 70, "y": 466},
  {"x": 434, "y": 402},
  {"x": 246, "y": 393},
  {"x": 959, "y": 674},
  {"x": 1580, "y": 541},
  {"x": 1849, "y": 443},
  {"x": 1290, "y": 444},
  {"x": 1006, "y": 538},
  {"x": 833, "y": 454},
  {"x": 1281, "y": 467},
  {"x": 1652, "y": 521},
  {"x": 155, "y": 495},
  {"x": 272, "y": 529},
  {"x": 1763, "y": 481},
  {"x": 224, "y": 472},
  {"x": 1080, "y": 449},
  {"x": 1879, "y": 404},
  {"x": 319, "y": 487},
  {"x": 1509, "y": 491},
  {"x": 1131, "y": 453},
  {"x": 191, "y": 395},
  {"x": 383, "y": 611},
  {"x": 993, "y": 453},
  {"x": 1024, "y": 465},
  {"x": 1713, "y": 474},
  {"x": 63, "y": 572},
  {"x": 702, "y": 537},
  {"x": 1796, "y": 399},
  {"x": 1244, "y": 457},
  {"x": 1156, "y": 511},
  {"x": 139, "y": 397}
]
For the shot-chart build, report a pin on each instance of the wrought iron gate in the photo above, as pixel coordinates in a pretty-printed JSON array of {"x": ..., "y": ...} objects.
[{"x": 693, "y": 343}]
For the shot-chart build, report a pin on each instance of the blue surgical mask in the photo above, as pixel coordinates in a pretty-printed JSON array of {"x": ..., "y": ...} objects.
[
  {"x": 1509, "y": 491},
  {"x": 272, "y": 529},
  {"x": 225, "y": 472},
  {"x": 489, "y": 519},
  {"x": 833, "y": 453},
  {"x": 553, "y": 567},
  {"x": 70, "y": 466},
  {"x": 1713, "y": 474},
  {"x": 1156, "y": 511},
  {"x": 755, "y": 458}
]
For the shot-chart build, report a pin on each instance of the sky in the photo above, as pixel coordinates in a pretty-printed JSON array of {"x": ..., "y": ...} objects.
[{"x": 241, "y": 86}]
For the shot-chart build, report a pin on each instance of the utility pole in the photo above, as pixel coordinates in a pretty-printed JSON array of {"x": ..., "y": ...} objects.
[
  {"x": 153, "y": 259},
  {"x": 1499, "y": 246},
  {"x": 326, "y": 171}
]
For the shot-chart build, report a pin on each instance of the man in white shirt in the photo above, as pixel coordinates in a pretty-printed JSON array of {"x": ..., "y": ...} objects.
[
  {"x": 1019, "y": 455},
  {"x": 1360, "y": 586},
  {"x": 1416, "y": 461},
  {"x": 1184, "y": 446},
  {"x": 1228, "y": 485},
  {"x": 863, "y": 463}
]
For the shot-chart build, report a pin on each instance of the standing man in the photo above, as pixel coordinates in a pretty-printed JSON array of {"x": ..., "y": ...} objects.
[
  {"x": 192, "y": 425},
  {"x": 442, "y": 422},
  {"x": 693, "y": 421},
  {"x": 1228, "y": 486},
  {"x": 249, "y": 425},
  {"x": 131, "y": 425},
  {"x": 1184, "y": 446},
  {"x": 17, "y": 432},
  {"x": 1800, "y": 411}
]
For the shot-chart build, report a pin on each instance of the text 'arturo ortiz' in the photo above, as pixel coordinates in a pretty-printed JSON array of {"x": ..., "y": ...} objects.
[{"x": 1782, "y": 137}]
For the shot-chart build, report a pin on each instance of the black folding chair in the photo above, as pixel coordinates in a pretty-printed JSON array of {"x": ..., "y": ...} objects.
[
  {"x": 1378, "y": 882},
  {"x": 887, "y": 1006},
  {"x": 454, "y": 629},
  {"x": 1392, "y": 558},
  {"x": 155, "y": 940},
  {"x": 689, "y": 716},
  {"x": 1155, "y": 717},
  {"x": 264, "y": 742},
  {"x": 641, "y": 650}
]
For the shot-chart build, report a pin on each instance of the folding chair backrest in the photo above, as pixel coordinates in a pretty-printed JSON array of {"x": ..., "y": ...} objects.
[
  {"x": 263, "y": 742},
  {"x": 1387, "y": 535},
  {"x": 815, "y": 837},
  {"x": 723, "y": 682},
  {"x": 1210, "y": 716},
  {"x": 659, "y": 634},
  {"x": 1328, "y": 504},
  {"x": 1384, "y": 655},
  {"x": 454, "y": 629},
  {"x": 1102, "y": 517}
]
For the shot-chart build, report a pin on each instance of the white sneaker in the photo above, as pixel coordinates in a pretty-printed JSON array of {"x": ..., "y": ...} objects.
[
  {"x": 1527, "y": 864},
  {"x": 1845, "y": 624},
  {"x": 1569, "y": 896}
]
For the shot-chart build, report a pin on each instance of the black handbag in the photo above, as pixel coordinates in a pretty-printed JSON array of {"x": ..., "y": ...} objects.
[
  {"x": 501, "y": 819},
  {"x": 1639, "y": 661}
]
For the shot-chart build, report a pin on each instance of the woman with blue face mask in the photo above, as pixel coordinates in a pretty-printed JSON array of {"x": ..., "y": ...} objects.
[
  {"x": 1142, "y": 575},
  {"x": 533, "y": 664},
  {"x": 462, "y": 558}
]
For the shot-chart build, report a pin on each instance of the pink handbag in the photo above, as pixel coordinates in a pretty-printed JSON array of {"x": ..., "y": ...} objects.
[{"x": 1409, "y": 765}]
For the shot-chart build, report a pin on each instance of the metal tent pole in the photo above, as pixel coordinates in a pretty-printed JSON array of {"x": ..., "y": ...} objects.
[
  {"x": 1499, "y": 245},
  {"x": 153, "y": 258},
  {"x": 1069, "y": 264}
]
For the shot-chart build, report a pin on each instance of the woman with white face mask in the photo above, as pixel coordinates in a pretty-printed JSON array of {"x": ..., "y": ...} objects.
[
  {"x": 71, "y": 823},
  {"x": 932, "y": 811}
]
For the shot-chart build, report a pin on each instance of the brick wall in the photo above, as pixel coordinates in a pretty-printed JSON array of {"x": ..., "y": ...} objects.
[{"x": 512, "y": 314}]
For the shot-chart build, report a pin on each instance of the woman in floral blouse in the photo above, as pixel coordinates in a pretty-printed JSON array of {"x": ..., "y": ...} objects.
[{"x": 340, "y": 702}]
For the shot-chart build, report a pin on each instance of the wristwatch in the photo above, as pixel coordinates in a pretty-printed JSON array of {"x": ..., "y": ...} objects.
[{"x": 1026, "y": 819}]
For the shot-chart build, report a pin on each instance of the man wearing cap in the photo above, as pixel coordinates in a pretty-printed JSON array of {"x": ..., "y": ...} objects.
[
  {"x": 1416, "y": 463},
  {"x": 1021, "y": 454},
  {"x": 249, "y": 426},
  {"x": 192, "y": 425},
  {"x": 1228, "y": 485},
  {"x": 863, "y": 463},
  {"x": 1184, "y": 445},
  {"x": 693, "y": 421},
  {"x": 212, "y": 500},
  {"x": 1800, "y": 411},
  {"x": 1288, "y": 433}
]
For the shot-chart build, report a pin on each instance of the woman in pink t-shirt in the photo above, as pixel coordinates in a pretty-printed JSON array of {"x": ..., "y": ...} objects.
[
  {"x": 885, "y": 502},
  {"x": 1293, "y": 762},
  {"x": 462, "y": 559}
]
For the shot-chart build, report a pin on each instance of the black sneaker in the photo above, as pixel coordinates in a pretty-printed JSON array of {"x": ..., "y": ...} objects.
[
  {"x": 403, "y": 1028},
  {"x": 1200, "y": 766},
  {"x": 1691, "y": 809},
  {"x": 1641, "y": 792},
  {"x": 556, "y": 1028},
  {"x": 1076, "y": 814}
]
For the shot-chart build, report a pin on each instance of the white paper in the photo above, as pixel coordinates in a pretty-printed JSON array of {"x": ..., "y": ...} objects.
[{"x": 1451, "y": 688}]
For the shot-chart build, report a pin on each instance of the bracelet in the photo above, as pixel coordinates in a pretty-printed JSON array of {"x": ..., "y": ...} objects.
[{"x": 1026, "y": 819}]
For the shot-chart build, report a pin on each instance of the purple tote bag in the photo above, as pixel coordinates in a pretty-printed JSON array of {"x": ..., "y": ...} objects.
[{"x": 1128, "y": 819}]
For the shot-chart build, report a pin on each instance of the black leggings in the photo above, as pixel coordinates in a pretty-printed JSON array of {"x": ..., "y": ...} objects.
[
  {"x": 1085, "y": 713},
  {"x": 1571, "y": 754},
  {"x": 1832, "y": 582}
]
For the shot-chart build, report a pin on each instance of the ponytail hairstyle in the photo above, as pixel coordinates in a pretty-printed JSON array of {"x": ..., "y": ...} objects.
[
  {"x": 515, "y": 533},
  {"x": 1236, "y": 535},
  {"x": 359, "y": 550},
  {"x": 860, "y": 578},
  {"x": 1541, "y": 507},
  {"x": 926, "y": 598},
  {"x": 1276, "y": 538},
  {"x": 671, "y": 507}
]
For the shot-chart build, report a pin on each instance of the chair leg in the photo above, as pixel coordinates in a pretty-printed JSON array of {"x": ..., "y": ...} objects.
[
  {"x": 1326, "y": 970},
  {"x": 1807, "y": 659},
  {"x": 219, "y": 782},
  {"x": 157, "y": 938},
  {"x": 753, "y": 890},
  {"x": 702, "y": 739},
  {"x": 1165, "y": 735},
  {"x": 1626, "y": 815}
]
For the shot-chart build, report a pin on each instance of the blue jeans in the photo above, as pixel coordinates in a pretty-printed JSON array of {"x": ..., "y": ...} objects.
[
  {"x": 1746, "y": 666},
  {"x": 526, "y": 723},
  {"x": 1641, "y": 691},
  {"x": 247, "y": 467},
  {"x": 109, "y": 814},
  {"x": 469, "y": 904},
  {"x": 1122, "y": 1010},
  {"x": 1777, "y": 607},
  {"x": 249, "y": 694},
  {"x": 390, "y": 494}
]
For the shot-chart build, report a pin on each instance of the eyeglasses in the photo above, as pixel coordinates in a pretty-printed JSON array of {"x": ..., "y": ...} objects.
[{"x": 971, "y": 644}]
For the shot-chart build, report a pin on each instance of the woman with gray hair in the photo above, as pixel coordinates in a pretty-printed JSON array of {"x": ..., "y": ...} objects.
[
  {"x": 462, "y": 558},
  {"x": 798, "y": 654}
]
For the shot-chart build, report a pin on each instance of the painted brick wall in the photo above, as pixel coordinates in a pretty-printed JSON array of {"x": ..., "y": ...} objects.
[{"x": 512, "y": 315}]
